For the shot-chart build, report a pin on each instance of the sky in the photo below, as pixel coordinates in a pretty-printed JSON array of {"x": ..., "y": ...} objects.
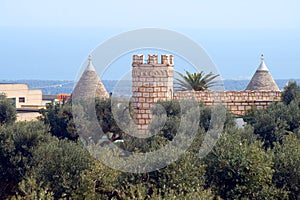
[{"x": 50, "y": 40}]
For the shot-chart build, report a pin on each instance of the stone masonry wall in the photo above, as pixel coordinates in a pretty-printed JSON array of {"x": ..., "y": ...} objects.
[
  {"x": 151, "y": 81},
  {"x": 237, "y": 102}
]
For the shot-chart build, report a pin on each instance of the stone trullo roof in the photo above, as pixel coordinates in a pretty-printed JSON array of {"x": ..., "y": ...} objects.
[
  {"x": 89, "y": 84},
  {"x": 262, "y": 79}
]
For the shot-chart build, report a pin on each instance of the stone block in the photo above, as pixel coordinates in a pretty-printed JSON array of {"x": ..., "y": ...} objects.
[
  {"x": 145, "y": 105},
  {"x": 142, "y": 100},
  {"x": 161, "y": 94},
  {"x": 150, "y": 89},
  {"x": 145, "y": 116},
  {"x": 153, "y": 94},
  {"x": 241, "y": 107},
  {"x": 248, "y": 107},
  {"x": 142, "y": 111},
  {"x": 141, "y": 121},
  {"x": 150, "y": 79},
  {"x": 146, "y": 84},
  {"x": 163, "y": 89},
  {"x": 233, "y": 108},
  {"x": 138, "y": 116},
  {"x": 146, "y": 94},
  {"x": 135, "y": 89},
  {"x": 142, "y": 89}
]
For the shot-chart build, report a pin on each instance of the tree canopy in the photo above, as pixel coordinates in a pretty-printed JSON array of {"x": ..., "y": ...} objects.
[
  {"x": 41, "y": 160},
  {"x": 7, "y": 110}
]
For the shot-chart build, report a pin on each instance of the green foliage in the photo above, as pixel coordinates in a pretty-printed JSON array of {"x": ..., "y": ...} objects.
[
  {"x": 60, "y": 120},
  {"x": 196, "y": 81},
  {"x": 183, "y": 177},
  {"x": 101, "y": 182},
  {"x": 30, "y": 188},
  {"x": 17, "y": 143},
  {"x": 276, "y": 121},
  {"x": 36, "y": 165},
  {"x": 106, "y": 119},
  {"x": 287, "y": 165},
  {"x": 237, "y": 169},
  {"x": 59, "y": 164},
  {"x": 291, "y": 92},
  {"x": 7, "y": 110}
]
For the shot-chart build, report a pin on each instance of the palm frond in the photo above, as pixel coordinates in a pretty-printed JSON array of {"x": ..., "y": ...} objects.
[{"x": 196, "y": 81}]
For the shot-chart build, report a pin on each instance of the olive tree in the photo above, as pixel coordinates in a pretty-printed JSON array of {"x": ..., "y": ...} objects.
[{"x": 7, "y": 110}]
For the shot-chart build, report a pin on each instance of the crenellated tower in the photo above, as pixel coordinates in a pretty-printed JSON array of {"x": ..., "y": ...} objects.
[{"x": 151, "y": 81}]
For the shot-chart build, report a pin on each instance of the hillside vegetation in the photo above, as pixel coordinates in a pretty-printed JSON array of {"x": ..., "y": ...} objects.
[{"x": 47, "y": 160}]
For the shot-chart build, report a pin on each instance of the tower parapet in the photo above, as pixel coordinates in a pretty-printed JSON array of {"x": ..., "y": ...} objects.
[
  {"x": 167, "y": 60},
  {"x": 138, "y": 59},
  {"x": 152, "y": 59}
]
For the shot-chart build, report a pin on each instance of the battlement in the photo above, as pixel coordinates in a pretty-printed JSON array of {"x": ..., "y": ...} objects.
[
  {"x": 166, "y": 60},
  {"x": 138, "y": 59}
]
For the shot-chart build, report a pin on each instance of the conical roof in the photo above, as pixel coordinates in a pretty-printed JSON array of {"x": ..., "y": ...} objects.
[
  {"x": 89, "y": 84},
  {"x": 262, "y": 79}
]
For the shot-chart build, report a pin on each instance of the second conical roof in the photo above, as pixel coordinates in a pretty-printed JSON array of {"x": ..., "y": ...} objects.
[
  {"x": 89, "y": 84},
  {"x": 262, "y": 79}
]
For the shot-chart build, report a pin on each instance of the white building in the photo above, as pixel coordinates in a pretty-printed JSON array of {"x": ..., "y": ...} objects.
[{"x": 27, "y": 102}]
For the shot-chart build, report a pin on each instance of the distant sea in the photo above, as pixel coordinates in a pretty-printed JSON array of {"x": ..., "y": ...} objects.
[{"x": 55, "y": 87}]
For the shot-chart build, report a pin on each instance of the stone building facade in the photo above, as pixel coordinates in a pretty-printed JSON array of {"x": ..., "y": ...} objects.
[{"x": 27, "y": 101}]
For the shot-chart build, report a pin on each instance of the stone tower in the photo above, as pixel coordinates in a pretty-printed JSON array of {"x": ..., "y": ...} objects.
[
  {"x": 262, "y": 79},
  {"x": 151, "y": 81}
]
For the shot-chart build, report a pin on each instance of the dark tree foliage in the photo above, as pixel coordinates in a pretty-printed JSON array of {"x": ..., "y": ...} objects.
[
  {"x": 181, "y": 177},
  {"x": 287, "y": 165},
  {"x": 291, "y": 92},
  {"x": 7, "y": 110},
  {"x": 36, "y": 165},
  {"x": 106, "y": 118},
  {"x": 60, "y": 120},
  {"x": 59, "y": 164},
  {"x": 276, "y": 121},
  {"x": 17, "y": 143},
  {"x": 279, "y": 119},
  {"x": 237, "y": 169}
]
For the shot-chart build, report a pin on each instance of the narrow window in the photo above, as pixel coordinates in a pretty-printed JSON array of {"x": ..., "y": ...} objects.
[{"x": 21, "y": 99}]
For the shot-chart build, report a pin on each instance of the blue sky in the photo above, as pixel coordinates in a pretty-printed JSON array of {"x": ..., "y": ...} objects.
[{"x": 51, "y": 39}]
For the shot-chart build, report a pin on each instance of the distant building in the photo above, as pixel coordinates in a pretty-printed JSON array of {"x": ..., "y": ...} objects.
[
  {"x": 27, "y": 102},
  {"x": 262, "y": 79},
  {"x": 63, "y": 97},
  {"x": 48, "y": 99},
  {"x": 89, "y": 84}
]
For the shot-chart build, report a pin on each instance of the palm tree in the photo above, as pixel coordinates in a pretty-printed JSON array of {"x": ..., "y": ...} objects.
[{"x": 196, "y": 81}]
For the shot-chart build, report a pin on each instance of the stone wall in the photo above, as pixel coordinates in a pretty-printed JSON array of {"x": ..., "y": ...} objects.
[
  {"x": 237, "y": 102},
  {"x": 151, "y": 81},
  {"x": 28, "y": 116}
]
